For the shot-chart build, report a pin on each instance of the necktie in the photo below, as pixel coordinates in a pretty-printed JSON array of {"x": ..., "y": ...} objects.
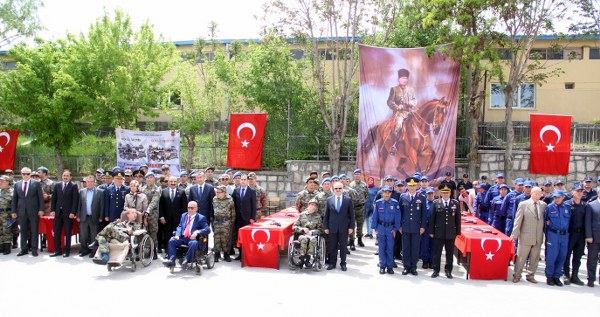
[
  {"x": 172, "y": 194},
  {"x": 199, "y": 190},
  {"x": 446, "y": 204},
  {"x": 188, "y": 227},
  {"x": 412, "y": 198},
  {"x": 338, "y": 204},
  {"x": 243, "y": 191},
  {"x": 64, "y": 186},
  {"x": 537, "y": 212},
  {"x": 25, "y": 188}
]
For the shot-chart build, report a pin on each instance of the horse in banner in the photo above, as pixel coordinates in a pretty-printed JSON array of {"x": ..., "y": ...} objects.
[{"x": 411, "y": 142}]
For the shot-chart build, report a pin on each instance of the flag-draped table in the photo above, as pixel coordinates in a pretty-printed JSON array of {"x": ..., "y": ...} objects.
[
  {"x": 487, "y": 250},
  {"x": 262, "y": 240},
  {"x": 46, "y": 227}
]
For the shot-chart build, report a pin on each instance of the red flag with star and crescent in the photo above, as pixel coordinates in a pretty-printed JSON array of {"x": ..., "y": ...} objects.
[
  {"x": 8, "y": 148},
  {"x": 246, "y": 133},
  {"x": 550, "y": 138}
]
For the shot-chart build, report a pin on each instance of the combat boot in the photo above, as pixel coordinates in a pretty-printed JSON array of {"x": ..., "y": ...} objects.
[
  {"x": 14, "y": 242},
  {"x": 360, "y": 243},
  {"x": 217, "y": 256},
  {"x": 351, "y": 244},
  {"x": 575, "y": 280},
  {"x": 226, "y": 257},
  {"x": 6, "y": 248}
]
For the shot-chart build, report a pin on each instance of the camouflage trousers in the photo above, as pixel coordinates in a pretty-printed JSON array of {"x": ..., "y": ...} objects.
[
  {"x": 153, "y": 227},
  {"x": 5, "y": 230},
  {"x": 109, "y": 233},
  {"x": 359, "y": 216},
  {"x": 222, "y": 235},
  {"x": 305, "y": 240}
]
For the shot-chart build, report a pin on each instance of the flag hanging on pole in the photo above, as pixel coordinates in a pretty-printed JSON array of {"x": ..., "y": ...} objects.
[{"x": 550, "y": 137}]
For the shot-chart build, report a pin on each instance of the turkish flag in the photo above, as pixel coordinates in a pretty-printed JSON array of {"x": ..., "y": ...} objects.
[
  {"x": 550, "y": 138},
  {"x": 246, "y": 133},
  {"x": 8, "y": 148}
]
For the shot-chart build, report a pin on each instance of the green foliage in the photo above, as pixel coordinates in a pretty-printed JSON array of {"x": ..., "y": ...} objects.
[{"x": 18, "y": 18}]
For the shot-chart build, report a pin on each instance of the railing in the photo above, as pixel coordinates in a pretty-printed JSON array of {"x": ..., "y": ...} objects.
[{"x": 493, "y": 135}]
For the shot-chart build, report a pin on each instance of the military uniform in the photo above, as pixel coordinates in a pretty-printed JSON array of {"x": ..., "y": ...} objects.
[
  {"x": 426, "y": 248},
  {"x": 5, "y": 218},
  {"x": 497, "y": 215},
  {"x": 557, "y": 219},
  {"x": 509, "y": 205},
  {"x": 152, "y": 192},
  {"x": 386, "y": 220},
  {"x": 261, "y": 201},
  {"x": 117, "y": 230},
  {"x": 322, "y": 197},
  {"x": 576, "y": 244},
  {"x": 444, "y": 226},
  {"x": 304, "y": 197},
  {"x": 359, "y": 209},
  {"x": 314, "y": 223},
  {"x": 356, "y": 201},
  {"x": 224, "y": 219},
  {"x": 115, "y": 201},
  {"x": 47, "y": 187},
  {"x": 414, "y": 217}
]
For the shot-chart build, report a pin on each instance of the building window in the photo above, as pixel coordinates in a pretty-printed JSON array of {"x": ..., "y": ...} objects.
[
  {"x": 9, "y": 65},
  {"x": 594, "y": 53},
  {"x": 573, "y": 53},
  {"x": 297, "y": 54},
  {"x": 504, "y": 53},
  {"x": 524, "y": 97},
  {"x": 569, "y": 85}
]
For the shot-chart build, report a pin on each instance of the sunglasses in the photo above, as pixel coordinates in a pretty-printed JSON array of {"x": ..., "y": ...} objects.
[
  {"x": 190, "y": 208},
  {"x": 25, "y": 173},
  {"x": 337, "y": 188}
]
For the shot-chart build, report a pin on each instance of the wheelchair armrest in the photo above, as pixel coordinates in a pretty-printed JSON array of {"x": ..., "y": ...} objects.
[{"x": 139, "y": 232}]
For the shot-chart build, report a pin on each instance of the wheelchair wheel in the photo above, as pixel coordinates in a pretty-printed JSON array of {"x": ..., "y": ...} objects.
[
  {"x": 210, "y": 260},
  {"x": 320, "y": 255},
  {"x": 291, "y": 253},
  {"x": 172, "y": 269},
  {"x": 146, "y": 250},
  {"x": 199, "y": 269}
]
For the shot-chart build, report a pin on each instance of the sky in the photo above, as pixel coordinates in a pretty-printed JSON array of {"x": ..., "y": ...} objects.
[{"x": 176, "y": 20}]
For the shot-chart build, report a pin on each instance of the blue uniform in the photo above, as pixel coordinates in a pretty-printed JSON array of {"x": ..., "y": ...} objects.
[
  {"x": 115, "y": 199},
  {"x": 489, "y": 196},
  {"x": 414, "y": 217},
  {"x": 509, "y": 206},
  {"x": 369, "y": 205},
  {"x": 557, "y": 218},
  {"x": 497, "y": 215},
  {"x": 576, "y": 237},
  {"x": 481, "y": 210},
  {"x": 426, "y": 241},
  {"x": 589, "y": 196},
  {"x": 386, "y": 219}
]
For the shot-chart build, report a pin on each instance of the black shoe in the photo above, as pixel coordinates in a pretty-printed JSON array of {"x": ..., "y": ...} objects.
[
  {"x": 381, "y": 271},
  {"x": 217, "y": 256},
  {"x": 55, "y": 254},
  {"x": 575, "y": 280},
  {"x": 550, "y": 281},
  {"x": 22, "y": 253},
  {"x": 226, "y": 257},
  {"x": 155, "y": 256},
  {"x": 93, "y": 245},
  {"x": 92, "y": 254},
  {"x": 330, "y": 267},
  {"x": 169, "y": 263},
  {"x": 84, "y": 253},
  {"x": 590, "y": 283},
  {"x": 231, "y": 252},
  {"x": 348, "y": 251},
  {"x": 360, "y": 243},
  {"x": 34, "y": 253},
  {"x": 343, "y": 267},
  {"x": 395, "y": 265},
  {"x": 557, "y": 282},
  {"x": 567, "y": 274},
  {"x": 376, "y": 253},
  {"x": 414, "y": 272},
  {"x": 390, "y": 270},
  {"x": 66, "y": 254},
  {"x": 567, "y": 281},
  {"x": 238, "y": 258},
  {"x": 449, "y": 275},
  {"x": 435, "y": 274},
  {"x": 425, "y": 265},
  {"x": 405, "y": 271}
]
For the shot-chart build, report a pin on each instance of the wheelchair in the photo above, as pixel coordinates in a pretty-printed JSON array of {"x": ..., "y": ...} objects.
[
  {"x": 317, "y": 259},
  {"x": 139, "y": 248},
  {"x": 202, "y": 256}
]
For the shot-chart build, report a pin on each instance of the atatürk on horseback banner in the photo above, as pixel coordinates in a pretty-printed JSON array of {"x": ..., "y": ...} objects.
[{"x": 414, "y": 129}]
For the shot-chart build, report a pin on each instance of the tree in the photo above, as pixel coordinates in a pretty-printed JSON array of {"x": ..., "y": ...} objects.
[
  {"x": 45, "y": 97},
  {"x": 18, "y": 19}
]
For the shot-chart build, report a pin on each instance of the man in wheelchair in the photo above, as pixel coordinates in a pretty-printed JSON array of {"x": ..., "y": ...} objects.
[
  {"x": 190, "y": 228},
  {"x": 308, "y": 227},
  {"x": 119, "y": 230}
]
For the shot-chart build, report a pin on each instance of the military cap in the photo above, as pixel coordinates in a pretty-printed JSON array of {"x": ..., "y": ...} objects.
[
  {"x": 150, "y": 174},
  {"x": 137, "y": 173},
  {"x": 388, "y": 177},
  {"x": 465, "y": 175},
  {"x": 313, "y": 201},
  {"x": 4, "y": 178},
  {"x": 343, "y": 176},
  {"x": 559, "y": 182},
  {"x": 520, "y": 181},
  {"x": 210, "y": 168},
  {"x": 45, "y": 170},
  {"x": 578, "y": 186},
  {"x": 503, "y": 186},
  {"x": 335, "y": 177},
  {"x": 528, "y": 183},
  {"x": 237, "y": 174},
  {"x": 500, "y": 175},
  {"x": 399, "y": 183},
  {"x": 118, "y": 173},
  {"x": 34, "y": 173},
  {"x": 228, "y": 170},
  {"x": 418, "y": 175},
  {"x": 430, "y": 190},
  {"x": 98, "y": 170},
  {"x": 547, "y": 183},
  {"x": 8, "y": 171},
  {"x": 558, "y": 193},
  {"x": 448, "y": 174},
  {"x": 387, "y": 188},
  {"x": 193, "y": 174},
  {"x": 224, "y": 175},
  {"x": 444, "y": 188},
  {"x": 424, "y": 178},
  {"x": 115, "y": 168},
  {"x": 128, "y": 172},
  {"x": 358, "y": 171},
  {"x": 222, "y": 188},
  {"x": 587, "y": 179},
  {"x": 327, "y": 179},
  {"x": 403, "y": 72},
  {"x": 143, "y": 165},
  {"x": 483, "y": 177},
  {"x": 412, "y": 181},
  {"x": 165, "y": 167},
  {"x": 313, "y": 172},
  {"x": 325, "y": 173},
  {"x": 308, "y": 179},
  {"x": 182, "y": 173},
  {"x": 252, "y": 175},
  {"x": 108, "y": 174}
]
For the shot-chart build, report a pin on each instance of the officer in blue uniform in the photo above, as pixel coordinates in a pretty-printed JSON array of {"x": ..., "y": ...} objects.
[
  {"x": 492, "y": 193},
  {"x": 497, "y": 215},
  {"x": 589, "y": 193},
  {"x": 481, "y": 211},
  {"x": 424, "y": 185},
  {"x": 576, "y": 244},
  {"x": 509, "y": 206},
  {"x": 386, "y": 222},
  {"x": 414, "y": 216},
  {"x": 116, "y": 197},
  {"x": 389, "y": 180},
  {"x": 426, "y": 241},
  {"x": 557, "y": 219}
]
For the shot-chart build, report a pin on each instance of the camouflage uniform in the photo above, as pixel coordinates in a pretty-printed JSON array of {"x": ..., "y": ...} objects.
[
  {"x": 303, "y": 198},
  {"x": 5, "y": 216},
  {"x": 153, "y": 195},
  {"x": 223, "y": 223},
  {"x": 313, "y": 222},
  {"x": 47, "y": 187},
  {"x": 356, "y": 201},
  {"x": 115, "y": 230},
  {"x": 261, "y": 201},
  {"x": 322, "y": 199},
  {"x": 359, "y": 207}
]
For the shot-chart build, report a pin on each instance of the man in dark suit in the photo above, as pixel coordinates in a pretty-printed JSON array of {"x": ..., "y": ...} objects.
[
  {"x": 203, "y": 193},
  {"x": 244, "y": 199},
  {"x": 28, "y": 205},
  {"x": 444, "y": 226},
  {"x": 592, "y": 237},
  {"x": 338, "y": 223},
  {"x": 64, "y": 209},
  {"x": 89, "y": 214},
  {"x": 191, "y": 225},
  {"x": 171, "y": 206}
]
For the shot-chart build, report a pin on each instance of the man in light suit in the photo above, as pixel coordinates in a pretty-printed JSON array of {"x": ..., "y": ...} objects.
[
  {"x": 28, "y": 205},
  {"x": 191, "y": 225},
  {"x": 528, "y": 228},
  {"x": 65, "y": 200},
  {"x": 244, "y": 200},
  {"x": 203, "y": 193},
  {"x": 592, "y": 237},
  {"x": 89, "y": 214},
  {"x": 338, "y": 223}
]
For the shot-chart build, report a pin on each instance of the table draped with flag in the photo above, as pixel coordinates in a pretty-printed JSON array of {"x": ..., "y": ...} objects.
[
  {"x": 485, "y": 251},
  {"x": 46, "y": 226},
  {"x": 263, "y": 240}
]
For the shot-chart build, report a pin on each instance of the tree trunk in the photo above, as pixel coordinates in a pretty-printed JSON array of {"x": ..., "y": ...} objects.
[
  {"x": 510, "y": 133},
  {"x": 214, "y": 141},
  {"x": 475, "y": 104},
  {"x": 334, "y": 151},
  {"x": 191, "y": 147},
  {"x": 59, "y": 162}
]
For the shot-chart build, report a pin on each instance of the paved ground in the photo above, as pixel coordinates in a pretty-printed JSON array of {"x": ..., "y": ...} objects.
[{"x": 75, "y": 286}]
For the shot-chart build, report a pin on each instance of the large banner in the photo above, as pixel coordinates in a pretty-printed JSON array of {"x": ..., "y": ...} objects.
[
  {"x": 407, "y": 113},
  {"x": 154, "y": 148},
  {"x": 246, "y": 133},
  {"x": 550, "y": 144}
]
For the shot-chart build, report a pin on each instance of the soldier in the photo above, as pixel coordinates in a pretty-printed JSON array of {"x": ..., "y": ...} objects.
[
  {"x": 128, "y": 176},
  {"x": 11, "y": 177},
  {"x": 509, "y": 206},
  {"x": 413, "y": 208},
  {"x": 483, "y": 180},
  {"x": 497, "y": 214},
  {"x": 426, "y": 248},
  {"x": 237, "y": 179},
  {"x": 224, "y": 180},
  {"x": 152, "y": 192},
  {"x": 115, "y": 197},
  {"x": 323, "y": 195},
  {"x": 223, "y": 223},
  {"x": 548, "y": 190},
  {"x": 307, "y": 194},
  {"x": 261, "y": 196},
  {"x": 491, "y": 193},
  {"x": 464, "y": 182},
  {"x": 6, "y": 216},
  {"x": 362, "y": 191},
  {"x": 589, "y": 194},
  {"x": 450, "y": 182},
  {"x": 166, "y": 171},
  {"x": 356, "y": 201},
  {"x": 46, "y": 187},
  {"x": 400, "y": 186},
  {"x": 138, "y": 175},
  {"x": 210, "y": 176},
  {"x": 557, "y": 218},
  {"x": 183, "y": 181},
  {"x": 592, "y": 238},
  {"x": 444, "y": 226},
  {"x": 576, "y": 235},
  {"x": 118, "y": 230},
  {"x": 389, "y": 180},
  {"x": 424, "y": 185},
  {"x": 35, "y": 176},
  {"x": 386, "y": 223},
  {"x": 144, "y": 168},
  {"x": 308, "y": 227}
]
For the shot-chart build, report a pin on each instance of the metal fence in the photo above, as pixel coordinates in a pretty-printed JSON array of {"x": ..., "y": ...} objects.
[{"x": 493, "y": 135}]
